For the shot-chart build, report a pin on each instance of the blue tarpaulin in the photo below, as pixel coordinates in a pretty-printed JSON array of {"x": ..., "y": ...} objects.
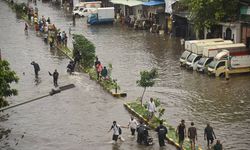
[{"x": 153, "y": 3}]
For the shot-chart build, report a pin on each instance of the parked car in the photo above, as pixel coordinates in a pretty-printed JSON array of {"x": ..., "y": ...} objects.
[{"x": 82, "y": 12}]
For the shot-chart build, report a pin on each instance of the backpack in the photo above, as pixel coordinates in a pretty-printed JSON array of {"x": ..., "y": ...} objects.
[{"x": 120, "y": 130}]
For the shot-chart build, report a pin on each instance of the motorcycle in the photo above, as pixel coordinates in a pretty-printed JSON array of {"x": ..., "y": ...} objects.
[{"x": 71, "y": 67}]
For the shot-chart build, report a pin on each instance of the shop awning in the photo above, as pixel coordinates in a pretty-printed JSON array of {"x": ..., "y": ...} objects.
[
  {"x": 129, "y": 3},
  {"x": 153, "y": 3}
]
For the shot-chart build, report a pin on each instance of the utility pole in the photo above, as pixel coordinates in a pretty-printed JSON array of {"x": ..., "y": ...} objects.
[
  {"x": 227, "y": 66},
  {"x": 51, "y": 93}
]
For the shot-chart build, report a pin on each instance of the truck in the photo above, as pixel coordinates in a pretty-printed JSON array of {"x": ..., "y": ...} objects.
[
  {"x": 188, "y": 52},
  {"x": 211, "y": 51},
  {"x": 226, "y": 62},
  {"x": 102, "y": 16},
  {"x": 197, "y": 51}
]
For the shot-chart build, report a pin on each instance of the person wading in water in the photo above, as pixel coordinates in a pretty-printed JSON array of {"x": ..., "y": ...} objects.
[
  {"x": 55, "y": 77},
  {"x": 162, "y": 131},
  {"x": 181, "y": 132},
  {"x": 26, "y": 28},
  {"x": 36, "y": 68},
  {"x": 192, "y": 135},
  {"x": 209, "y": 135}
]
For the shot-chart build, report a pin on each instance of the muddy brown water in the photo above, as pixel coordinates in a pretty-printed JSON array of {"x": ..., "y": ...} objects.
[{"x": 79, "y": 118}]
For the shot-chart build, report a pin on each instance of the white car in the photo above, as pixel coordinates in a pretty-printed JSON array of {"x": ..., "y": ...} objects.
[{"x": 84, "y": 11}]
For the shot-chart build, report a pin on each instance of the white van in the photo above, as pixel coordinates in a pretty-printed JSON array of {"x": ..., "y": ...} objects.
[{"x": 85, "y": 11}]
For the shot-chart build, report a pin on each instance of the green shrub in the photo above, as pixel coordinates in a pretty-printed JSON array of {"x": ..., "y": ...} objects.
[
  {"x": 20, "y": 8},
  {"x": 86, "y": 50}
]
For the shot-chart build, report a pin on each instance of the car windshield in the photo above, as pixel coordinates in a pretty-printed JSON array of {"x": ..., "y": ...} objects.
[
  {"x": 191, "y": 57},
  {"x": 185, "y": 54},
  {"x": 202, "y": 61},
  {"x": 76, "y": 8},
  {"x": 212, "y": 64}
]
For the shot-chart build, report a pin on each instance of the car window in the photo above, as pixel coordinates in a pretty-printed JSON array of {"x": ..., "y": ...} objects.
[
  {"x": 209, "y": 61},
  {"x": 221, "y": 64},
  {"x": 197, "y": 58}
]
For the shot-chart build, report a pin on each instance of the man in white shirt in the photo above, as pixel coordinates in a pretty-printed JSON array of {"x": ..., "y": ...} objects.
[
  {"x": 151, "y": 108},
  {"x": 132, "y": 124},
  {"x": 116, "y": 132}
]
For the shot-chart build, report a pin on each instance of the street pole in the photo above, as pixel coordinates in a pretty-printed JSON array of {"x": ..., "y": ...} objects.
[
  {"x": 52, "y": 92},
  {"x": 227, "y": 70}
]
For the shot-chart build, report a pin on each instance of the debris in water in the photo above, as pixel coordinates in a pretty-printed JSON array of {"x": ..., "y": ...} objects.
[{"x": 177, "y": 74}]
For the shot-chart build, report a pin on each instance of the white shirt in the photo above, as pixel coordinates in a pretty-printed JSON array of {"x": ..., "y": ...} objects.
[
  {"x": 116, "y": 129},
  {"x": 132, "y": 124},
  {"x": 151, "y": 106}
]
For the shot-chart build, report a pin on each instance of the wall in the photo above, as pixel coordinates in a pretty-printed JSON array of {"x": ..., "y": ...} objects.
[
  {"x": 236, "y": 31},
  {"x": 137, "y": 11},
  {"x": 235, "y": 28},
  {"x": 245, "y": 34}
]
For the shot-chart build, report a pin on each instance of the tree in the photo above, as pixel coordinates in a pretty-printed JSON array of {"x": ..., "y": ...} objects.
[
  {"x": 205, "y": 13},
  {"x": 147, "y": 80},
  {"x": 6, "y": 78},
  {"x": 86, "y": 49}
]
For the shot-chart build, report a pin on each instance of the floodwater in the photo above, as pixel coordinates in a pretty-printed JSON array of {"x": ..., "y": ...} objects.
[{"x": 79, "y": 118}]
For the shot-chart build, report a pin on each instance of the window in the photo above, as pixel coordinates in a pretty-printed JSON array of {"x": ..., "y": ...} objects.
[
  {"x": 201, "y": 61},
  {"x": 209, "y": 61},
  {"x": 191, "y": 58},
  {"x": 197, "y": 58},
  {"x": 228, "y": 34},
  {"x": 185, "y": 54},
  {"x": 220, "y": 64}
]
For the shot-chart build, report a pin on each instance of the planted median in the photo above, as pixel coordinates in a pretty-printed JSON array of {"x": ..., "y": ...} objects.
[
  {"x": 141, "y": 112},
  {"x": 84, "y": 53},
  {"x": 139, "y": 109}
]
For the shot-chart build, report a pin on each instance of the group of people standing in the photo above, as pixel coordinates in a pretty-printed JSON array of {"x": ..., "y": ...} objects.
[
  {"x": 55, "y": 74},
  {"x": 62, "y": 38},
  {"x": 102, "y": 72},
  {"x": 44, "y": 26},
  {"x": 181, "y": 133},
  {"x": 144, "y": 138},
  {"x": 209, "y": 135}
]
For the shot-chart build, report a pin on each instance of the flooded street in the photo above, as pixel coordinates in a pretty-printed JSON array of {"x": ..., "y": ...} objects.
[{"x": 80, "y": 118}]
